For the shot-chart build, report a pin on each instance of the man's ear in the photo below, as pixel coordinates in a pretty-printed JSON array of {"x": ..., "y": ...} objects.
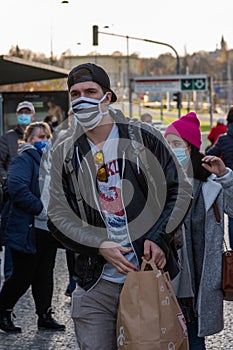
[{"x": 108, "y": 97}]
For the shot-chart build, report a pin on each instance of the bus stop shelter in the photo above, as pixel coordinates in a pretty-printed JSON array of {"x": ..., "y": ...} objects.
[{"x": 14, "y": 70}]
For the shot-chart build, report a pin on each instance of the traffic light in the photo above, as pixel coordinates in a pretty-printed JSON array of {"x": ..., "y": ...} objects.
[
  {"x": 95, "y": 35},
  {"x": 177, "y": 99}
]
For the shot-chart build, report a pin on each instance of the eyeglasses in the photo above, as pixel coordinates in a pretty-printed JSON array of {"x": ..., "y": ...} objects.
[{"x": 101, "y": 174}]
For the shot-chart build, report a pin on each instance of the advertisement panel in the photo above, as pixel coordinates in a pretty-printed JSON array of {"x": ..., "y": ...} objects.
[{"x": 45, "y": 103}]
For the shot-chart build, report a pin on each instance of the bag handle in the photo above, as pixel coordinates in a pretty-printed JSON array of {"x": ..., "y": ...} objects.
[
  {"x": 165, "y": 276},
  {"x": 151, "y": 263}
]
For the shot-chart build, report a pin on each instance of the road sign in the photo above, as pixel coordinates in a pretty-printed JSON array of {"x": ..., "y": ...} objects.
[
  {"x": 196, "y": 84},
  {"x": 172, "y": 83},
  {"x": 157, "y": 84}
]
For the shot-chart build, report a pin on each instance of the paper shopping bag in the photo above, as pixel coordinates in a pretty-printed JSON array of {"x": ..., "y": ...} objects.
[{"x": 149, "y": 316}]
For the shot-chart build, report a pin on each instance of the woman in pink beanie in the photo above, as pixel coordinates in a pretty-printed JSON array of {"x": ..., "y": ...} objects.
[{"x": 198, "y": 285}]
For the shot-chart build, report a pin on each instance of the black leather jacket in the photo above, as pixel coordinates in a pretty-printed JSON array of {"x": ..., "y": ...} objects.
[
  {"x": 151, "y": 213},
  {"x": 223, "y": 147}
]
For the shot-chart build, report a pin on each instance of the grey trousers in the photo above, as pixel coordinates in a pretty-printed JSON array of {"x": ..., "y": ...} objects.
[{"x": 94, "y": 313}]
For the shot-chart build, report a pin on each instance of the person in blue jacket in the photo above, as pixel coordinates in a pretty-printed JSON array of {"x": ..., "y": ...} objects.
[
  {"x": 24, "y": 223},
  {"x": 10, "y": 141}
]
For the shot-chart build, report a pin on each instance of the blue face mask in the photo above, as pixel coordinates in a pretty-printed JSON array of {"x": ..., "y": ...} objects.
[
  {"x": 181, "y": 156},
  {"x": 24, "y": 119},
  {"x": 43, "y": 146}
]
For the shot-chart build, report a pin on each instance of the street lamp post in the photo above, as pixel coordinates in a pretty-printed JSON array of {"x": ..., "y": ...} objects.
[
  {"x": 95, "y": 42},
  {"x": 51, "y": 29},
  {"x": 171, "y": 47},
  {"x": 177, "y": 64},
  {"x": 95, "y": 29}
]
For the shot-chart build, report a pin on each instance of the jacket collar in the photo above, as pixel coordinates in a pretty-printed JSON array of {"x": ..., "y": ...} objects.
[{"x": 210, "y": 190}]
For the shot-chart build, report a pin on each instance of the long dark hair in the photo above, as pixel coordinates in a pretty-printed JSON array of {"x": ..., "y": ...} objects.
[{"x": 195, "y": 169}]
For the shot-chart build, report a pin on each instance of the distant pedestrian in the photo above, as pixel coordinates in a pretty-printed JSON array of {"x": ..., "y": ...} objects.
[
  {"x": 146, "y": 118},
  {"x": 65, "y": 133},
  {"x": 224, "y": 148},
  {"x": 55, "y": 110},
  {"x": 217, "y": 130},
  {"x": 54, "y": 125},
  {"x": 198, "y": 285},
  {"x": 11, "y": 139},
  {"x": 52, "y": 121},
  {"x": 24, "y": 225}
]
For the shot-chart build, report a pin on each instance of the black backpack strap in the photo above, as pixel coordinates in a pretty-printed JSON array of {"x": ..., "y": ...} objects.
[
  {"x": 68, "y": 156},
  {"x": 135, "y": 134}
]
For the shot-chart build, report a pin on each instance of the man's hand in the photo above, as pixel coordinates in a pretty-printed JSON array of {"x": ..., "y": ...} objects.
[
  {"x": 113, "y": 253},
  {"x": 154, "y": 252}
]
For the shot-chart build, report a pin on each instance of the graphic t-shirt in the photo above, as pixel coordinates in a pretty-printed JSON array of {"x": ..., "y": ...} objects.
[{"x": 110, "y": 198}]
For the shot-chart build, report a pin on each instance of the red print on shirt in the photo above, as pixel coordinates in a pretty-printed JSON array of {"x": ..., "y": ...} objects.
[{"x": 111, "y": 201}]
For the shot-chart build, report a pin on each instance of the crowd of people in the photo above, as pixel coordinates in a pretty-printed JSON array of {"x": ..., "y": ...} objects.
[{"x": 88, "y": 191}]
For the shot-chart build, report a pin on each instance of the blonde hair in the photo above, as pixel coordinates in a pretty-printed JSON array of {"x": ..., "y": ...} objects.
[{"x": 31, "y": 130}]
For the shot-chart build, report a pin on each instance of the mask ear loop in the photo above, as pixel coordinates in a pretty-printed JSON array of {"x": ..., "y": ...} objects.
[{"x": 99, "y": 104}]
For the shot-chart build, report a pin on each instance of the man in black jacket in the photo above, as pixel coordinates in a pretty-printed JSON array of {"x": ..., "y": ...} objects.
[
  {"x": 10, "y": 140},
  {"x": 9, "y": 144},
  {"x": 109, "y": 206}
]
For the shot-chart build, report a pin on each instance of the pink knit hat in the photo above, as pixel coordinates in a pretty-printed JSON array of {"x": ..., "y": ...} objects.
[{"x": 188, "y": 128}]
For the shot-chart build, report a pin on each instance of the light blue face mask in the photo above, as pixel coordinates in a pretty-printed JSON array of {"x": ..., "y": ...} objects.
[
  {"x": 24, "y": 119},
  {"x": 181, "y": 156}
]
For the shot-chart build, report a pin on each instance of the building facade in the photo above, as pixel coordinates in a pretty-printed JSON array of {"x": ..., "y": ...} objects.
[{"x": 120, "y": 69}]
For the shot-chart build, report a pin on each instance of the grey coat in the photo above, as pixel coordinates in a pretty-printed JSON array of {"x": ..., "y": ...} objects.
[{"x": 210, "y": 297}]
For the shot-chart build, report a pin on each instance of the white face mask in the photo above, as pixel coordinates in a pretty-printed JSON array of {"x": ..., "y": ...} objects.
[{"x": 88, "y": 111}]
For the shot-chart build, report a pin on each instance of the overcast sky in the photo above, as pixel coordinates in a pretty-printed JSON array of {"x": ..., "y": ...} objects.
[{"x": 194, "y": 25}]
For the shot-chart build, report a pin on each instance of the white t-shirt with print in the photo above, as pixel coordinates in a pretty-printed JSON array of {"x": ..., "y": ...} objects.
[{"x": 110, "y": 197}]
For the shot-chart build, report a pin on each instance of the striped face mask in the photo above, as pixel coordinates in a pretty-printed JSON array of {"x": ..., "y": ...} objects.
[{"x": 88, "y": 111}]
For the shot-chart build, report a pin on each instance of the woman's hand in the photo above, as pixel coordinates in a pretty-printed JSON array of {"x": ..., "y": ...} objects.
[{"x": 214, "y": 165}]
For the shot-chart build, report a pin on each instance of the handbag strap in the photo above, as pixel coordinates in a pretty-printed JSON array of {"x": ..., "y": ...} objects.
[
  {"x": 216, "y": 211},
  {"x": 70, "y": 169},
  {"x": 226, "y": 249}
]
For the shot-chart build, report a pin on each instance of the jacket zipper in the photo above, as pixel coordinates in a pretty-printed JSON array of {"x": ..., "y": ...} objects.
[{"x": 123, "y": 168}]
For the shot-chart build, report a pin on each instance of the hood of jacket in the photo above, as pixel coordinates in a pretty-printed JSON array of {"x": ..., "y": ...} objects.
[
  {"x": 25, "y": 146},
  {"x": 31, "y": 150}
]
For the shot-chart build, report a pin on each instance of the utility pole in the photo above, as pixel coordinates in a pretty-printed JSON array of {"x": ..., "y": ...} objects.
[{"x": 95, "y": 36}]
